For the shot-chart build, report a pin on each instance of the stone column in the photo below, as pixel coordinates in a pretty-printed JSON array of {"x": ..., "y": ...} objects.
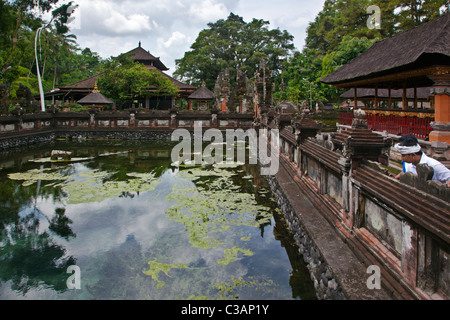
[
  {"x": 92, "y": 112},
  {"x": 132, "y": 112},
  {"x": 18, "y": 112},
  {"x": 214, "y": 121},
  {"x": 173, "y": 118},
  {"x": 441, "y": 124}
]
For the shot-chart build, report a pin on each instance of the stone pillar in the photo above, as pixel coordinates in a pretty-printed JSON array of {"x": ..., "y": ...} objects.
[
  {"x": 132, "y": 112},
  {"x": 304, "y": 127},
  {"x": 173, "y": 118},
  {"x": 222, "y": 90},
  {"x": 359, "y": 143},
  {"x": 92, "y": 112},
  {"x": 441, "y": 124},
  {"x": 18, "y": 112},
  {"x": 214, "y": 121}
]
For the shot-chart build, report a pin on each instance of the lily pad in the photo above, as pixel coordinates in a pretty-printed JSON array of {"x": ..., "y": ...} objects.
[{"x": 32, "y": 176}]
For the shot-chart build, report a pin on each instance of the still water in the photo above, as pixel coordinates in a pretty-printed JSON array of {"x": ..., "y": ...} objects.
[{"x": 137, "y": 226}]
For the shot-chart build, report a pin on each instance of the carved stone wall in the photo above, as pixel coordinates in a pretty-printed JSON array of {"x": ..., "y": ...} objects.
[{"x": 402, "y": 226}]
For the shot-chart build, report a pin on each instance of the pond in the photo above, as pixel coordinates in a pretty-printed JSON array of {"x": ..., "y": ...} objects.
[{"x": 121, "y": 221}]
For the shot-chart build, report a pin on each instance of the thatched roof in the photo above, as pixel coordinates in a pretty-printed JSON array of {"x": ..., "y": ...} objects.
[
  {"x": 145, "y": 57},
  {"x": 424, "y": 46},
  {"x": 86, "y": 84},
  {"x": 203, "y": 93},
  {"x": 365, "y": 93},
  {"x": 95, "y": 98}
]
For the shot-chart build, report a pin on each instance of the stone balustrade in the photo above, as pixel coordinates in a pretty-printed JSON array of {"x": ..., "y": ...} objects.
[{"x": 402, "y": 226}]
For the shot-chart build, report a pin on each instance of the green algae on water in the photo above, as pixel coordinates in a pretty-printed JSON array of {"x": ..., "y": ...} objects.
[
  {"x": 94, "y": 188},
  {"x": 32, "y": 176},
  {"x": 89, "y": 185},
  {"x": 231, "y": 255},
  {"x": 157, "y": 267}
]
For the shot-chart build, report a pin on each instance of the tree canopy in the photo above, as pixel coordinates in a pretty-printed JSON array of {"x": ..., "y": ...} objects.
[
  {"x": 123, "y": 79},
  {"x": 340, "y": 33},
  {"x": 234, "y": 44},
  {"x": 61, "y": 60}
]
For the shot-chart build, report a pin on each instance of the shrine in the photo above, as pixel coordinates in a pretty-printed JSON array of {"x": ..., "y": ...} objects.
[
  {"x": 96, "y": 99},
  {"x": 417, "y": 58},
  {"x": 76, "y": 91},
  {"x": 202, "y": 99}
]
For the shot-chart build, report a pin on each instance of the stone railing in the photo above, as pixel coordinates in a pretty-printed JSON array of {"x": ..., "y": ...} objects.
[
  {"x": 130, "y": 120},
  {"x": 402, "y": 226}
]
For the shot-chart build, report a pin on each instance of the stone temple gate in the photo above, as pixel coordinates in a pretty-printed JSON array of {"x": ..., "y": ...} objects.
[{"x": 244, "y": 96}]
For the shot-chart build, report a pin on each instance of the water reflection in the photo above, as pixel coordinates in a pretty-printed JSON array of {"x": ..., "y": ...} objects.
[
  {"x": 30, "y": 259},
  {"x": 139, "y": 228}
]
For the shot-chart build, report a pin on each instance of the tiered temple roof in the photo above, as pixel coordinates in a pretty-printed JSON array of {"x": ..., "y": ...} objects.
[
  {"x": 80, "y": 89},
  {"x": 403, "y": 60}
]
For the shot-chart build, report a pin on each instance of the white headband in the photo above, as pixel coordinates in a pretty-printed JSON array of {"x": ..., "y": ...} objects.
[{"x": 406, "y": 149}]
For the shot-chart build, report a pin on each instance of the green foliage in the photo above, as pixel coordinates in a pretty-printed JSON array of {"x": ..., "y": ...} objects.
[
  {"x": 126, "y": 80},
  {"x": 61, "y": 61},
  {"x": 339, "y": 33},
  {"x": 340, "y": 18},
  {"x": 349, "y": 48},
  {"x": 402, "y": 15},
  {"x": 300, "y": 79},
  {"x": 234, "y": 44}
]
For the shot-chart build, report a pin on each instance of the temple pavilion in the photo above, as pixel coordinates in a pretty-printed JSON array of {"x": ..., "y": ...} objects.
[
  {"x": 417, "y": 58},
  {"x": 79, "y": 90}
]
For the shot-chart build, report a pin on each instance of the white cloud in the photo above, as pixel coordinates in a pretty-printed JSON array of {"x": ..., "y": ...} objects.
[
  {"x": 134, "y": 23},
  {"x": 207, "y": 10},
  {"x": 168, "y": 28},
  {"x": 175, "y": 39}
]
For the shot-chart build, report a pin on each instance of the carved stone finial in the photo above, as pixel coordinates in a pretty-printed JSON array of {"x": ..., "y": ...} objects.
[
  {"x": 359, "y": 114},
  {"x": 359, "y": 122}
]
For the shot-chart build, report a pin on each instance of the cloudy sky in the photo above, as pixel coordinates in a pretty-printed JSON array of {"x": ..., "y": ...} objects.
[{"x": 167, "y": 28}]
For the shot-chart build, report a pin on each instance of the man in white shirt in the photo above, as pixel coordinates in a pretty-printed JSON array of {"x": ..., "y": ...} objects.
[{"x": 412, "y": 155}]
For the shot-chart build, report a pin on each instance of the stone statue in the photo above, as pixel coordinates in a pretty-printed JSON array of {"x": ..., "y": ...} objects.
[{"x": 26, "y": 99}]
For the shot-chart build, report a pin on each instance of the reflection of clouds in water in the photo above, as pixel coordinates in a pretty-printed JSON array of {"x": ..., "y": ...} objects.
[
  {"x": 100, "y": 226},
  {"x": 102, "y": 229},
  {"x": 105, "y": 225}
]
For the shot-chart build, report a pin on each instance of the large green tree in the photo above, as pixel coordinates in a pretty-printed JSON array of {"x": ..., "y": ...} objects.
[
  {"x": 61, "y": 61},
  {"x": 123, "y": 80},
  {"x": 234, "y": 44},
  {"x": 340, "y": 32},
  {"x": 340, "y": 18},
  {"x": 411, "y": 13}
]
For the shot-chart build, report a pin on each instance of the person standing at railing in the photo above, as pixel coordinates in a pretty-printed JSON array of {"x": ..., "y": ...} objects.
[{"x": 412, "y": 155}]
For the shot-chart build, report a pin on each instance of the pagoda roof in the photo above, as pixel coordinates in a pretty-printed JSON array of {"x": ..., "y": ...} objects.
[
  {"x": 143, "y": 56},
  {"x": 203, "y": 93},
  {"x": 138, "y": 54},
  {"x": 404, "y": 59},
  {"x": 95, "y": 98},
  {"x": 88, "y": 83}
]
